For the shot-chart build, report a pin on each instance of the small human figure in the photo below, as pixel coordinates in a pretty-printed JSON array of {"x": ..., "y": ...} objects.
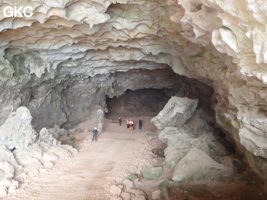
[
  {"x": 131, "y": 124},
  {"x": 119, "y": 121},
  {"x": 140, "y": 123},
  {"x": 94, "y": 134},
  {"x": 127, "y": 123}
]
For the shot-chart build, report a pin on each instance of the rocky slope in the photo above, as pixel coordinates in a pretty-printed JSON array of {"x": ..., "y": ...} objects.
[{"x": 63, "y": 61}]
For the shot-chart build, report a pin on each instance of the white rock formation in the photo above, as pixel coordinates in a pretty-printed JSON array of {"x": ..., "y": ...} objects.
[{"x": 17, "y": 132}]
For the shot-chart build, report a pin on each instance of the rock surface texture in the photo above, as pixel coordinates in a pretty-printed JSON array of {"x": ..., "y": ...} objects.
[
  {"x": 24, "y": 151},
  {"x": 193, "y": 153},
  {"x": 175, "y": 113},
  {"x": 64, "y": 60},
  {"x": 197, "y": 165}
]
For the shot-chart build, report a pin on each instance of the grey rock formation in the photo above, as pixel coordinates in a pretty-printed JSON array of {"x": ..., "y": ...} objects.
[
  {"x": 197, "y": 126},
  {"x": 180, "y": 142},
  {"x": 132, "y": 177},
  {"x": 195, "y": 133},
  {"x": 175, "y": 113},
  {"x": 46, "y": 138},
  {"x": 197, "y": 165},
  {"x": 152, "y": 173}
]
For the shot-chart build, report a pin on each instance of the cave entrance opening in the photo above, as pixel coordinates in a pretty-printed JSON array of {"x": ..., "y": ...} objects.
[
  {"x": 135, "y": 105},
  {"x": 147, "y": 103},
  {"x": 142, "y": 102}
]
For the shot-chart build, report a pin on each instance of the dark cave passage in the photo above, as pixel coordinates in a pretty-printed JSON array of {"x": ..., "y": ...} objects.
[{"x": 143, "y": 102}]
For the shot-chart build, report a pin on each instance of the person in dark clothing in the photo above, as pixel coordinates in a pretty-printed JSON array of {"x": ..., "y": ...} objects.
[
  {"x": 140, "y": 123},
  {"x": 119, "y": 121},
  {"x": 94, "y": 134}
]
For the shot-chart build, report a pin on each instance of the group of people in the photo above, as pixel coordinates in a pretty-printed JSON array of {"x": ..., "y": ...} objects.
[{"x": 129, "y": 123}]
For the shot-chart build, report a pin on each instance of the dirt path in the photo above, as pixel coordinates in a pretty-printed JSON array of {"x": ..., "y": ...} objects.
[{"x": 89, "y": 175}]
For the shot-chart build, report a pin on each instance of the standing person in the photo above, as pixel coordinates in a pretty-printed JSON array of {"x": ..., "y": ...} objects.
[
  {"x": 119, "y": 121},
  {"x": 127, "y": 123},
  {"x": 94, "y": 134},
  {"x": 140, "y": 123},
  {"x": 131, "y": 125}
]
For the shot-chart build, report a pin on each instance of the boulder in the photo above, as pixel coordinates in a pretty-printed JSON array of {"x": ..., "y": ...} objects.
[
  {"x": 197, "y": 165},
  {"x": 5, "y": 183},
  {"x": 58, "y": 132},
  {"x": 126, "y": 196},
  {"x": 182, "y": 138},
  {"x": 197, "y": 126},
  {"x": 132, "y": 177},
  {"x": 220, "y": 150},
  {"x": 128, "y": 183},
  {"x": 175, "y": 113},
  {"x": 73, "y": 130},
  {"x": 17, "y": 130},
  {"x": 3, "y": 192},
  {"x": 46, "y": 138},
  {"x": 49, "y": 156},
  {"x": 7, "y": 169},
  {"x": 173, "y": 157},
  {"x": 156, "y": 195},
  {"x": 7, "y": 156},
  {"x": 139, "y": 197},
  {"x": 62, "y": 151},
  {"x": 114, "y": 190},
  {"x": 30, "y": 158},
  {"x": 179, "y": 143},
  {"x": 13, "y": 187},
  {"x": 136, "y": 194},
  {"x": 152, "y": 173},
  {"x": 115, "y": 198}
]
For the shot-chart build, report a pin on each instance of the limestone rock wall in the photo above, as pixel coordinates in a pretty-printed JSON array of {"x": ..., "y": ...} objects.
[
  {"x": 64, "y": 58},
  {"x": 24, "y": 151}
]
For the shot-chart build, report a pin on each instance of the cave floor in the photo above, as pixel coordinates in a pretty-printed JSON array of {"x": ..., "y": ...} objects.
[
  {"x": 117, "y": 153},
  {"x": 91, "y": 172}
]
